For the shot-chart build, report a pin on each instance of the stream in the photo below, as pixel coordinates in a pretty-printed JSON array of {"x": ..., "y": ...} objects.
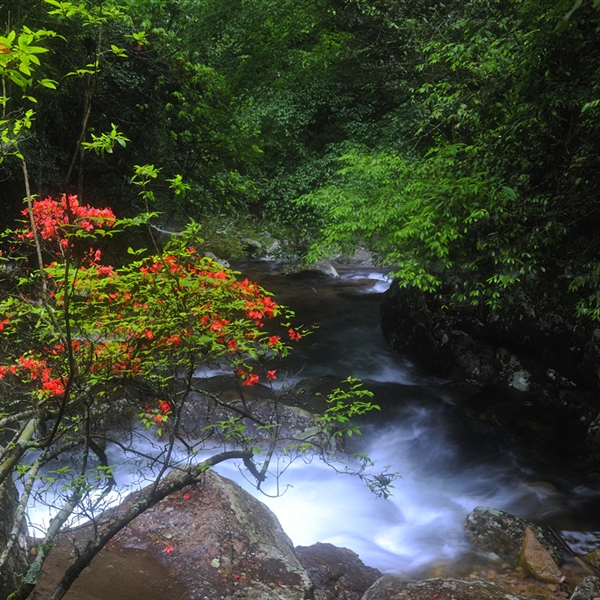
[
  {"x": 448, "y": 465},
  {"x": 449, "y": 462}
]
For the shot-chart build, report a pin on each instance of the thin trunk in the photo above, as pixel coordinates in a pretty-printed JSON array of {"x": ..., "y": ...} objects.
[{"x": 20, "y": 513}]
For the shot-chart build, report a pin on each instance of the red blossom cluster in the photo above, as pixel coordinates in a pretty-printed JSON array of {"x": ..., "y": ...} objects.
[
  {"x": 158, "y": 414},
  {"x": 294, "y": 335},
  {"x": 52, "y": 217},
  {"x": 32, "y": 368}
]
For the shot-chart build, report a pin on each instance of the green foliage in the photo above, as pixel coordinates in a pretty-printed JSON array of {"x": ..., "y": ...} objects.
[
  {"x": 496, "y": 190},
  {"x": 344, "y": 403}
]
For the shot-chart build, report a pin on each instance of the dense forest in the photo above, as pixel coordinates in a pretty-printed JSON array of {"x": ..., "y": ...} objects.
[{"x": 458, "y": 140}]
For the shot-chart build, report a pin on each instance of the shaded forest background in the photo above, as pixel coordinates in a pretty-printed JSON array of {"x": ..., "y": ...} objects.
[{"x": 458, "y": 140}]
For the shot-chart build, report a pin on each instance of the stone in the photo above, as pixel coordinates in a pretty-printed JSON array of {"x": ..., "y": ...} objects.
[
  {"x": 293, "y": 411},
  {"x": 592, "y": 439},
  {"x": 500, "y": 535},
  {"x": 218, "y": 260},
  {"x": 593, "y": 558},
  {"x": 323, "y": 267},
  {"x": 218, "y": 543},
  {"x": 587, "y": 589},
  {"x": 537, "y": 560},
  {"x": 338, "y": 571},
  {"x": 533, "y": 344},
  {"x": 390, "y": 587}
]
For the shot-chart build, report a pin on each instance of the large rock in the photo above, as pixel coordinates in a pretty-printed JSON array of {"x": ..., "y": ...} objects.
[
  {"x": 212, "y": 540},
  {"x": 338, "y": 572},
  {"x": 296, "y": 419},
  {"x": 500, "y": 535},
  {"x": 396, "y": 588},
  {"x": 10, "y": 576}
]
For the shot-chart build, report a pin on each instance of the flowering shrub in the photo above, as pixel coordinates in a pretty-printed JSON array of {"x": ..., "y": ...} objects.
[
  {"x": 86, "y": 345},
  {"x": 153, "y": 319}
]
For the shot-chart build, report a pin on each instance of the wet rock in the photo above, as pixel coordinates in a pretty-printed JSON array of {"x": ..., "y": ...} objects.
[
  {"x": 292, "y": 411},
  {"x": 218, "y": 260},
  {"x": 213, "y": 539},
  {"x": 311, "y": 393},
  {"x": 252, "y": 247},
  {"x": 396, "y": 588},
  {"x": 323, "y": 267},
  {"x": 501, "y": 535},
  {"x": 593, "y": 558},
  {"x": 360, "y": 258},
  {"x": 10, "y": 576},
  {"x": 537, "y": 560},
  {"x": 337, "y": 571},
  {"x": 587, "y": 589}
]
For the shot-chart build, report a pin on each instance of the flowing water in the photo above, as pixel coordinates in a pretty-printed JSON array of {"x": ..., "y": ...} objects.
[{"x": 448, "y": 462}]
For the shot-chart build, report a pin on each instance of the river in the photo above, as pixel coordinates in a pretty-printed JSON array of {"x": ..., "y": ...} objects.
[{"x": 449, "y": 460}]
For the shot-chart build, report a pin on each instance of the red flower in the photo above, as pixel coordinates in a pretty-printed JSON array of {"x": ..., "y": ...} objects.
[
  {"x": 164, "y": 407},
  {"x": 294, "y": 335},
  {"x": 250, "y": 379},
  {"x": 174, "y": 339},
  {"x": 272, "y": 375},
  {"x": 169, "y": 549},
  {"x": 273, "y": 339},
  {"x": 186, "y": 496}
]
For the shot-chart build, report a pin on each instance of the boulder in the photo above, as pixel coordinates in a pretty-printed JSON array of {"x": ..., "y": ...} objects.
[
  {"x": 321, "y": 267},
  {"x": 587, "y": 589},
  {"x": 10, "y": 576},
  {"x": 537, "y": 560},
  {"x": 212, "y": 540},
  {"x": 390, "y": 587},
  {"x": 296, "y": 416},
  {"x": 337, "y": 571},
  {"x": 500, "y": 535}
]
